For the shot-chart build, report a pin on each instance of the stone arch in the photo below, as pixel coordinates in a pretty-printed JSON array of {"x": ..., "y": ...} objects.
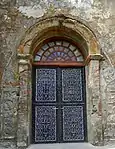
[
  {"x": 56, "y": 26},
  {"x": 75, "y": 31}
]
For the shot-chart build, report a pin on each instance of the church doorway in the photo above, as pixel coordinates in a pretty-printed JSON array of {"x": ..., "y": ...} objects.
[{"x": 58, "y": 94}]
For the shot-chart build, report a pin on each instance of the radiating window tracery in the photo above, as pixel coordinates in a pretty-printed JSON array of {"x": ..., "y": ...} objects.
[{"x": 58, "y": 51}]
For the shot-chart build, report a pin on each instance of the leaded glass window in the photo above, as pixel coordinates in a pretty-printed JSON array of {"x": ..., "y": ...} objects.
[
  {"x": 60, "y": 51},
  {"x": 58, "y": 104}
]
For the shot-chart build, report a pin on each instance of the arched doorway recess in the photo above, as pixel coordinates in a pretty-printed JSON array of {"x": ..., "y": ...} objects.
[
  {"x": 58, "y": 29},
  {"x": 58, "y": 99}
]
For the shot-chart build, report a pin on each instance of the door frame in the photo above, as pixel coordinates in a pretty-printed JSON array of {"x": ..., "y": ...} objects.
[
  {"x": 84, "y": 97},
  {"x": 71, "y": 28}
]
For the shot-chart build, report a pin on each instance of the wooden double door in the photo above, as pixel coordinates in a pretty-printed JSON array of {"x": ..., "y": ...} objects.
[{"x": 58, "y": 105}]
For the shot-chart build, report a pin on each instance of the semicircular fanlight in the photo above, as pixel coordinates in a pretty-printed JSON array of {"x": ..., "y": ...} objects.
[{"x": 59, "y": 51}]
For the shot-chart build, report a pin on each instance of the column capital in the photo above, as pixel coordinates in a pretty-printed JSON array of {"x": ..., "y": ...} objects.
[
  {"x": 24, "y": 56},
  {"x": 90, "y": 57},
  {"x": 24, "y": 59}
]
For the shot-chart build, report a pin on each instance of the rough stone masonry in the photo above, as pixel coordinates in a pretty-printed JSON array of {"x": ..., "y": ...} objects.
[{"x": 17, "y": 17}]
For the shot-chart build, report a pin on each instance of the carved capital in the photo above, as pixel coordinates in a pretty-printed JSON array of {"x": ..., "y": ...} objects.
[
  {"x": 90, "y": 57},
  {"x": 96, "y": 57},
  {"x": 24, "y": 59}
]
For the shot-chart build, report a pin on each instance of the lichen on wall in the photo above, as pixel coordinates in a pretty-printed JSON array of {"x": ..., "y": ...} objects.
[
  {"x": 37, "y": 8},
  {"x": 17, "y": 16}
]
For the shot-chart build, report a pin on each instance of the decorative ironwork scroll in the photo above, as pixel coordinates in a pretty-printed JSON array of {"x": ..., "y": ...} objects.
[
  {"x": 59, "y": 105},
  {"x": 45, "y": 85},
  {"x": 73, "y": 125},
  {"x": 45, "y": 123},
  {"x": 72, "y": 85}
]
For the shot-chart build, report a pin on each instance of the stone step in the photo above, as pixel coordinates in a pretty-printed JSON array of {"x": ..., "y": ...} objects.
[{"x": 68, "y": 146}]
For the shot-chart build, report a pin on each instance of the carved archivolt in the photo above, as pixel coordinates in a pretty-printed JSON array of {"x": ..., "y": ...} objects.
[{"x": 60, "y": 26}]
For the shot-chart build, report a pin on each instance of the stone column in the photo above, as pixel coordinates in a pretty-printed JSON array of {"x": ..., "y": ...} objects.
[
  {"x": 94, "y": 104},
  {"x": 24, "y": 101}
]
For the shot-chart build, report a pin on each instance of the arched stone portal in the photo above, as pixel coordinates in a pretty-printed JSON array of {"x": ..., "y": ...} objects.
[{"x": 74, "y": 31}]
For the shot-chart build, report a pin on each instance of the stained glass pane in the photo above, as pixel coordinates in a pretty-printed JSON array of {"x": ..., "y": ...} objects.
[
  {"x": 40, "y": 52},
  {"x": 66, "y": 44},
  {"x": 71, "y": 85},
  {"x": 80, "y": 58},
  {"x": 45, "y": 47},
  {"x": 45, "y": 85},
  {"x": 52, "y": 49},
  {"x": 47, "y": 53},
  {"x": 61, "y": 48},
  {"x": 43, "y": 58},
  {"x": 58, "y": 43},
  {"x": 73, "y": 129},
  {"x": 51, "y": 44},
  {"x": 37, "y": 58},
  {"x": 70, "y": 54},
  {"x": 56, "y": 48},
  {"x": 66, "y": 50},
  {"x": 77, "y": 53},
  {"x": 72, "y": 47},
  {"x": 45, "y": 123}
]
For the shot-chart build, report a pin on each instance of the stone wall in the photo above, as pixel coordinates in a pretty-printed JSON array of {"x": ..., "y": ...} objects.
[{"x": 16, "y": 18}]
